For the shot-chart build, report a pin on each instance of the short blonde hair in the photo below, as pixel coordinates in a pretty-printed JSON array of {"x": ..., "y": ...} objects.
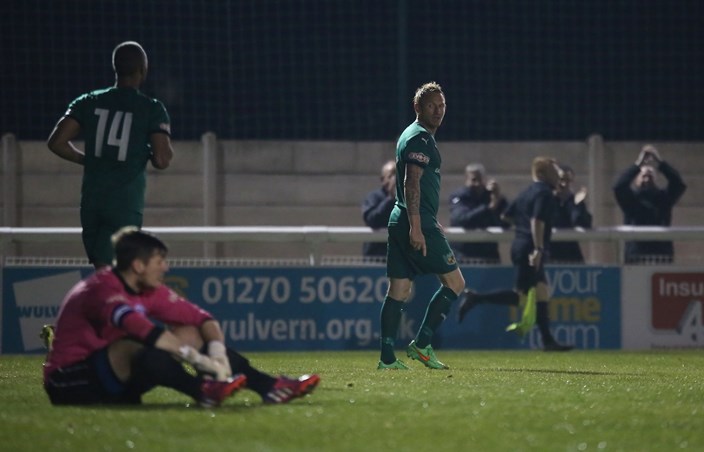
[{"x": 425, "y": 89}]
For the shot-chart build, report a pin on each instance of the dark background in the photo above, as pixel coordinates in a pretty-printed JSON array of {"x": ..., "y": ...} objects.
[{"x": 347, "y": 70}]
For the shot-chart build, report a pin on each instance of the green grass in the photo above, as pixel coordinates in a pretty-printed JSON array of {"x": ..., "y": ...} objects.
[{"x": 489, "y": 401}]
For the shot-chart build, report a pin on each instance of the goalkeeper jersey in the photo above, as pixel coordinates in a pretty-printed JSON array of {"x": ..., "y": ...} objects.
[{"x": 92, "y": 316}]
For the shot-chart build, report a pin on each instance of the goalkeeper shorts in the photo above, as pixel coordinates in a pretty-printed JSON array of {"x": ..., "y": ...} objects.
[{"x": 88, "y": 382}]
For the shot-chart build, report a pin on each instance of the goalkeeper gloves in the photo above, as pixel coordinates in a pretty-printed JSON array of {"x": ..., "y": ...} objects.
[
  {"x": 203, "y": 363},
  {"x": 218, "y": 353}
]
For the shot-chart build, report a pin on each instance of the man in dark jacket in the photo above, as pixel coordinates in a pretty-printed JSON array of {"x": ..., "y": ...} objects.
[
  {"x": 571, "y": 212},
  {"x": 645, "y": 204},
  {"x": 377, "y": 207},
  {"x": 477, "y": 206}
]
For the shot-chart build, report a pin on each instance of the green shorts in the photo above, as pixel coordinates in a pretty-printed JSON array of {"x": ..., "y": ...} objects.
[
  {"x": 403, "y": 262},
  {"x": 98, "y": 227}
]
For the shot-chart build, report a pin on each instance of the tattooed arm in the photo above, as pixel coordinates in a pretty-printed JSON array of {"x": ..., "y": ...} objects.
[{"x": 411, "y": 186}]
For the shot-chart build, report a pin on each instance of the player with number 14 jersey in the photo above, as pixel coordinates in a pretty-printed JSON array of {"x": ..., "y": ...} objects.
[{"x": 123, "y": 130}]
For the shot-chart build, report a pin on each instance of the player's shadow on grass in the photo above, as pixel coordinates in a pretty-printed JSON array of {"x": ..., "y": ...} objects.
[{"x": 568, "y": 372}]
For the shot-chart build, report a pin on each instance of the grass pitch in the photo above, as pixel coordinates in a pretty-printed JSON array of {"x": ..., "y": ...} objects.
[{"x": 488, "y": 401}]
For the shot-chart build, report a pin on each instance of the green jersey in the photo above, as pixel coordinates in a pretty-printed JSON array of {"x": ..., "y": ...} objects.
[
  {"x": 416, "y": 146},
  {"x": 116, "y": 124}
]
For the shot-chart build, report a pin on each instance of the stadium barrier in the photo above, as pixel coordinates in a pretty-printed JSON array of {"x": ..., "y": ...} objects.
[
  {"x": 316, "y": 236},
  {"x": 313, "y": 306}
]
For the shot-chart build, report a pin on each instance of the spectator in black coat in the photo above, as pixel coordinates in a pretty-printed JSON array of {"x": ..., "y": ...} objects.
[
  {"x": 377, "y": 207},
  {"x": 571, "y": 213},
  {"x": 477, "y": 206},
  {"x": 645, "y": 204}
]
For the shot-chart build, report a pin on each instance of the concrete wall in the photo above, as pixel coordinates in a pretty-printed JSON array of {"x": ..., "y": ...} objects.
[{"x": 273, "y": 183}]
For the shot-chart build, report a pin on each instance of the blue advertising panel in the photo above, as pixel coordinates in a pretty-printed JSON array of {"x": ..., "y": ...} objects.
[
  {"x": 585, "y": 310},
  {"x": 333, "y": 308}
]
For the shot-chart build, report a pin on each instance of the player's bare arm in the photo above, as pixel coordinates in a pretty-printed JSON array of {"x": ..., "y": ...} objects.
[
  {"x": 411, "y": 186},
  {"x": 59, "y": 141},
  {"x": 162, "y": 151}
]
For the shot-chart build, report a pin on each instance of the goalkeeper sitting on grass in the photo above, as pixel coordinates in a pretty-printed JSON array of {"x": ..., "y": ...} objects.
[
  {"x": 107, "y": 350},
  {"x": 532, "y": 213}
]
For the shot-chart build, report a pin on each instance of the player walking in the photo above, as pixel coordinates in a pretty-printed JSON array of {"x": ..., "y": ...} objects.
[{"x": 417, "y": 244}]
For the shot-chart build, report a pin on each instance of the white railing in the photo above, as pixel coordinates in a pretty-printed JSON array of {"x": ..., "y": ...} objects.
[{"x": 317, "y": 236}]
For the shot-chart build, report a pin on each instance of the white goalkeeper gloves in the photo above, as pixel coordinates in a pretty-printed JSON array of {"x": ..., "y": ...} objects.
[
  {"x": 218, "y": 353},
  {"x": 203, "y": 363}
]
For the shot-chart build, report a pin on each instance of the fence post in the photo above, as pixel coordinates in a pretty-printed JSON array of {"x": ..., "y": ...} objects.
[
  {"x": 595, "y": 185},
  {"x": 9, "y": 178},
  {"x": 210, "y": 196},
  {"x": 10, "y": 171},
  {"x": 9, "y": 203}
]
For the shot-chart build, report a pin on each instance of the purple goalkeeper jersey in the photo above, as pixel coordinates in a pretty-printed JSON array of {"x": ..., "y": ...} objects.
[{"x": 90, "y": 316}]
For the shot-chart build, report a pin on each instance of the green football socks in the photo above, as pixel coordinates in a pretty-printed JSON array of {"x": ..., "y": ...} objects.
[
  {"x": 437, "y": 311},
  {"x": 391, "y": 312}
]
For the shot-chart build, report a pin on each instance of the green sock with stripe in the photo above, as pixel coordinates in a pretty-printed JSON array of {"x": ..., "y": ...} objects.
[{"x": 436, "y": 313}]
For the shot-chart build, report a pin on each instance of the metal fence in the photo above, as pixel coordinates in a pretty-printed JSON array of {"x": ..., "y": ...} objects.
[{"x": 315, "y": 237}]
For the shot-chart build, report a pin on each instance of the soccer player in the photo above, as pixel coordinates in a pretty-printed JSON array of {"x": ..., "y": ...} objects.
[
  {"x": 532, "y": 213},
  {"x": 108, "y": 350},
  {"x": 123, "y": 130},
  {"x": 416, "y": 243}
]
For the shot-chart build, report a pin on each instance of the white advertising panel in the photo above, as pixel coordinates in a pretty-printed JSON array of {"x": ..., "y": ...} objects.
[{"x": 662, "y": 307}]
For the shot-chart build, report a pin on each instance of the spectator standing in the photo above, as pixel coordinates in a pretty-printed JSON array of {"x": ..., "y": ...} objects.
[
  {"x": 377, "y": 207},
  {"x": 477, "y": 206},
  {"x": 571, "y": 213},
  {"x": 643, "y": 203}
]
